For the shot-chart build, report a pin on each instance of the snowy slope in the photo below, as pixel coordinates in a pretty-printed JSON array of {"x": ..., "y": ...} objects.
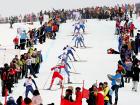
[{"x": 95, "y": 66}]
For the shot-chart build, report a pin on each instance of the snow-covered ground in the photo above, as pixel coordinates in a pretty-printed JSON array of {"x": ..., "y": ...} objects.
[{"x": 95, "y": 65}]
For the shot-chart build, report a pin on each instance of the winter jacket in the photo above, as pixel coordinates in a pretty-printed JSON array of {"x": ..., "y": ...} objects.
[
  {"x": 54, "y": 28},
  {"x": 106, "y": 92},
  {"x": 92, "y": 98},
  {"x": 100, "y": 98},
  {"x": 117, "y": 24},
  {"x": 132, "y": 27},
  {"x": 11, "y": 102},
  {"x": 48, "y": 29},
  {"x": 29, "y": 82},
  {"x": 16, "y": 40},
  {"x": 128, "y": 66},
  {"x": 115, "y": 78},
  {"x": 23, "y": 35},
  {"x": 79, "y": 97},
  {"x": 36, "y": 100}
]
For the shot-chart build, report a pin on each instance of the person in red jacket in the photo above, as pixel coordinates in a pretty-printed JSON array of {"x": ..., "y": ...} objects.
[
  {"x": 132, "y": 27},
  {"x": 78, "y": 94},
  {"x": 12, "y": 73},
  {"x": 54, "y": 30},
  {"x": 100, "y": 95},
  {"x": 56, "y": 74},
  {"x": 16, "y": 42}
]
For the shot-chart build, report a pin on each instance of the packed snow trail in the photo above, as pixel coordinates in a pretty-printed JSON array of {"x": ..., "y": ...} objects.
[{"x": 95, "y": 66}]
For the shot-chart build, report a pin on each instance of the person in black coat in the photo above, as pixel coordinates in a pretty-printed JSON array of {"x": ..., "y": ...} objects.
[
  {"x": 135, "y": 76},
  {"x": 68, "y": 95},
  {"x": 92, "y": 98},
  {"x": 5, "y": 80},
  {"x": 137, "y": 43},
  {"x": 19, "y": 101}
]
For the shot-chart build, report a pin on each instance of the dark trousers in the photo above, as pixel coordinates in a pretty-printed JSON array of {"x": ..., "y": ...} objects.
[
  {"x": 31, "y": 70},
  {"x": 106, "y": 102},
  {"x": 37, "y": 67},
  {"x": 22, "y": 44},
  {"x": 3, "y": 88},
  {"x": 24, "y": 71},
  {"x": 16, "y": 46},
  {"x": 34, "y": 67},
  {"x": 132, "y": 33},
  {"x": 115, "y": 88},
  {"x": 122, "y": 82},
  {"x": 28, "y": 89}
]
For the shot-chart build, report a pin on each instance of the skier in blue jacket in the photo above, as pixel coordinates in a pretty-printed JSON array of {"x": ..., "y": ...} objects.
[
  {"x": 28, "y": 84},
  {"x": 79, "y": 39},
  {"x": 69, "y": 51},
  {"x": 64, "y": 57}
]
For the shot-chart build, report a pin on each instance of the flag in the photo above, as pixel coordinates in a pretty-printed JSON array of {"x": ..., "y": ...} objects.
[
  {"x": 85, "y": 93},
  {"x": 66, "y": 102}
]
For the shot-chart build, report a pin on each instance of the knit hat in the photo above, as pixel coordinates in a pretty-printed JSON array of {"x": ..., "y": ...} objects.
[{"x": 94, "y": 85}]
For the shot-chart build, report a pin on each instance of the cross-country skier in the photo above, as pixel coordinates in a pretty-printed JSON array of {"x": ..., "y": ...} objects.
[
  {"x": 56, "y": 74},
  {"x": 28, "y": 84},
  {"x": 69, "y": 51},
  {"x": 79, "y": 39},
  {"x": 64, "y": 57},
  {"x": 66, "y": 67},
  {"x": 82, "y": 25},
  {"x": 76, "y": 27}
]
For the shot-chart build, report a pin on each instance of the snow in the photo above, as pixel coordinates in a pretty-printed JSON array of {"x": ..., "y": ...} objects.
[{"x": 95, "y": 66}]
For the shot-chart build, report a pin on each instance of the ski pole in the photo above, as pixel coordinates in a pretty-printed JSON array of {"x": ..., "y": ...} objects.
[
  {"x": 77, "y": 55},
  {"x": 73, "y": 67},
  {"x": 47, "y": 80}
]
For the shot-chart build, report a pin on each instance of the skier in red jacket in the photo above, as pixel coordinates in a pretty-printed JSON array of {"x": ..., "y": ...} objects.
[{"x": 56, "y": 74}]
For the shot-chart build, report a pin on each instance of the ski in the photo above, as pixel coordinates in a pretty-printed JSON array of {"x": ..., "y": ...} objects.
[
  {"x": 79, "y": 61},
  {"x": 52, "y": 89},
  {"x": 74, "y": 73},
  {"x": 71, "y": 83}
]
